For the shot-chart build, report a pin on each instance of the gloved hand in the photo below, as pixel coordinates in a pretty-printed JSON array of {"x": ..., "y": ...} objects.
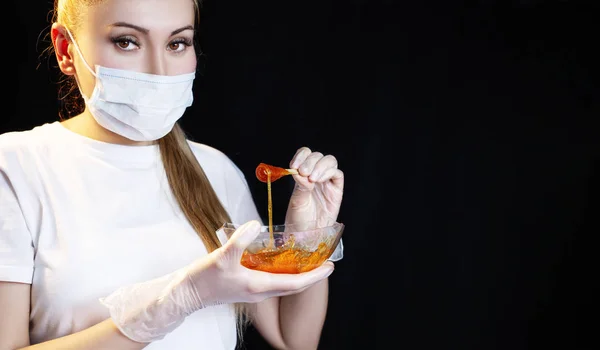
[
  {"x": 148, "y": 311},
  {"x": 319, "y": 188}
]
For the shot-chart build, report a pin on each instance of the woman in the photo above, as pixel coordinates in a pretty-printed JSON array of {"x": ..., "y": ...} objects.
[{"x": 101, "y": 214}]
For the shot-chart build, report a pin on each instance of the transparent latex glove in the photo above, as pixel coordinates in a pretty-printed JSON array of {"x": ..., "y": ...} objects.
[
  {"x": 148, "y": 311},
  {"x": 319, "y": 188}
]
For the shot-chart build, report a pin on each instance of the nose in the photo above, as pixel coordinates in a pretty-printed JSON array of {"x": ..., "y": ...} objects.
[{"x": 157, "y": 62}]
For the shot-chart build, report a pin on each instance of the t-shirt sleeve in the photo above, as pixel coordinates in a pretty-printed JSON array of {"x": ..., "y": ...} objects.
[{"x": 16, "y": 244}]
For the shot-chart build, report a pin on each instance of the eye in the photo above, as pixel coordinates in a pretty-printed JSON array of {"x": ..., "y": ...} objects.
[
  {"x": 179, "y": 45},
  {"x": 125, "y": 43}
]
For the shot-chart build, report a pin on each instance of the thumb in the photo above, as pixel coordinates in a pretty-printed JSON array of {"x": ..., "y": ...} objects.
[{"x": 242, "y": 238}]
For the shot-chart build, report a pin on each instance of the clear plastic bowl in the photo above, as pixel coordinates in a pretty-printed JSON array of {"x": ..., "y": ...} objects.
[{"x": 294, "y": 248}]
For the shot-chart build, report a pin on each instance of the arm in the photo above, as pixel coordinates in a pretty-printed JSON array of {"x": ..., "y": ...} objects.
[
  {"x": 16, "y": 256},
  {"x": 14, "y": 326},
  {"x": 293, "y": 321},
  {"x": 296, "y": 321}
]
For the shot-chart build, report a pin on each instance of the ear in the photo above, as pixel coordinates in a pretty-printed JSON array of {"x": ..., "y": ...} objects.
[{"x": 61, "y": 42}]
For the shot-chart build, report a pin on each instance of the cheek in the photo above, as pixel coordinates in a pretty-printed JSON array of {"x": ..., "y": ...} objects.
[
  {"x": 107, "y": 56},
  {"x": 85, "y": 79},
  {"x": 94, "y": 54},
  {"x": 185, "y": 64}
]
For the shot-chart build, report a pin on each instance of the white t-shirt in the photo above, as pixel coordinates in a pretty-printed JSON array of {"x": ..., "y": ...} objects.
[{"x": 80, "y": 218}]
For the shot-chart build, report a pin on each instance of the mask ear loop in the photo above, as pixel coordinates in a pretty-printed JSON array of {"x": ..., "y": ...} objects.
[
  {"x": 79, "y": 52},
  {"x": 84, "y": 62}
]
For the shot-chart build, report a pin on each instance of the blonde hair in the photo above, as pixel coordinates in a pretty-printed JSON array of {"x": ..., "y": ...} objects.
[{"x": 185, "y": 175}]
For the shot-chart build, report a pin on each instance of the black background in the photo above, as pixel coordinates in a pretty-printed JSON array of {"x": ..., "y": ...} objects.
[{"x": 466, "y": 131}]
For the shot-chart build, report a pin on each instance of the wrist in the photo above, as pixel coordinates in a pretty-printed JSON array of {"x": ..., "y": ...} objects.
[
  {"x": 185, "y": 290},
  {"x": 148, "y": 311}
]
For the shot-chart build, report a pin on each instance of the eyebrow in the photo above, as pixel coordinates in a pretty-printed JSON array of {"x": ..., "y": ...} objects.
[{"x": 146, "y": 31}]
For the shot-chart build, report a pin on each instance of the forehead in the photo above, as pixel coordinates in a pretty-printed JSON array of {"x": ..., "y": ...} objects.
[{"x": 155, "y": 15}]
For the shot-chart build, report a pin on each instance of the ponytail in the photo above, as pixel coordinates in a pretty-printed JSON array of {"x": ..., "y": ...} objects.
[
  {"x": 196, "y": 198},
  {"x": 191, "y": 188}
]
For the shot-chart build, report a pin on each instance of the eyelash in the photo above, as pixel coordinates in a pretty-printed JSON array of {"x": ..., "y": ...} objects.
[
  {"x": 128, "y": 39},
  {"x": 185, "y": 41}
]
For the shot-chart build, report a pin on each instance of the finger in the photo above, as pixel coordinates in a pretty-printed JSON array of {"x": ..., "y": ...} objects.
[
  {"x": 279, "y": 293},
  {"x": 275, "y": 284},
  {"x": 329, "y": 264},
  {"x": 258, "y": 297},
  {"x": 323, "y": 166},
  {"x": 242, "y": 238},
  {"x": 303, "y": 184},
  {"x": 307, "y": 167},
  {"x": 293, "y": 282},
  {"x": 336, "y": 178},
  {"x": 292, "y": 292},
  {"x": 282, "y": 294},
  {"x": 299, "y": 157}
]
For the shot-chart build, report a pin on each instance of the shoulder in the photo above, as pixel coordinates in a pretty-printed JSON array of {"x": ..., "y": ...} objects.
[
  {"x": 27, "y": 139},
  {"x": 206, "y": 152},
  {"x": 214, "y": 160},
  {"x": 14, "y": 141},
  {"x": 16, "y": 146},
  {"x": 228, "y": 181},
  {"x": 21, "y": 153}
]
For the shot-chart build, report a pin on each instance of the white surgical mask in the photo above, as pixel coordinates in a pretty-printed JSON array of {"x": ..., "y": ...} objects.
[{"x": 138, "y": 106}]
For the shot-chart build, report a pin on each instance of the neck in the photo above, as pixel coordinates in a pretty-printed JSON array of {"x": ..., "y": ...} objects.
[{"x": 85, "y": 125}]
